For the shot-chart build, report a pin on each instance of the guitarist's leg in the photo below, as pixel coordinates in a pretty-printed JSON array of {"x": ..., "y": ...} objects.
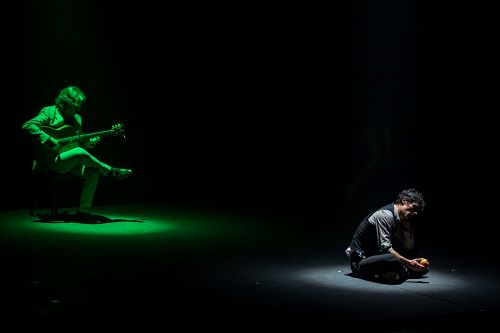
[
  {"x": 90, "y": 178},
  {"x": 70, "y": 159}
]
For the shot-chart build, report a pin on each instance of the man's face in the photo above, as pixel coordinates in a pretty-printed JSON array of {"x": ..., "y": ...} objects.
[
  {"x": 70, "y": 110},
  {"x": 409, "y": 210}
]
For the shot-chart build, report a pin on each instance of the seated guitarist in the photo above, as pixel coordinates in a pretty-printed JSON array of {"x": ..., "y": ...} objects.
[{"x": 70, "y": 158}]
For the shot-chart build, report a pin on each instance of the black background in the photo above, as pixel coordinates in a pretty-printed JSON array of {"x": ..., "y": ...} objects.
[{"x": 261, "y": 103}]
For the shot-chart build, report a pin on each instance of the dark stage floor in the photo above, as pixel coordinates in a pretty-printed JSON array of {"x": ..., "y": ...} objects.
[{"x": 170, "y": 266}]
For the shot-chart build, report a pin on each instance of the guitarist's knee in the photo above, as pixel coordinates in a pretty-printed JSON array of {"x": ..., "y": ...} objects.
[
  {"x": 76, "y": 153},
  {"x": 91, "y": 173}
]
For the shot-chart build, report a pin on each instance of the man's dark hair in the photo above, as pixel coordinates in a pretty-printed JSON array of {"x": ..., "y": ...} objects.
[
  {"x": 71, "y": 96},
  {"x": 412, "y": 196}
]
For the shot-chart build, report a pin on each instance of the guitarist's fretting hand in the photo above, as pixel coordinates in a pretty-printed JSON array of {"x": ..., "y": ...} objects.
[{"x": 93, "y": 141}]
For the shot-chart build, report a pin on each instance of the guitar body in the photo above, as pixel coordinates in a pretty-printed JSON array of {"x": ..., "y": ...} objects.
[
  {"x": 45, "y": 154},
  {"x": 62, "y": 132}
]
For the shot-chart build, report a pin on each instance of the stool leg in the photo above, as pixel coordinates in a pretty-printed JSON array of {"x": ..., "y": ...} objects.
[
  {"x": 33, "y": 195},
  {"x": 53, "y": 203}
]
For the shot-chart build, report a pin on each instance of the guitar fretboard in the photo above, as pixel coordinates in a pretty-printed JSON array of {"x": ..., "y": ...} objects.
[{"x": 82, "y": 137}]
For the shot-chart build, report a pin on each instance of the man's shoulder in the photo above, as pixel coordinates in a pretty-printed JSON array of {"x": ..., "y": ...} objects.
[
  {"x": 49, "y": 110},
  {"x": 382, "y": 212},
  {"x": 385, "y": 212}
]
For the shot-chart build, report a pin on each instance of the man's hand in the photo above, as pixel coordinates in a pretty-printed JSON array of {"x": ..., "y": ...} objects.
[
  {"x": 93, "y": 141},
  {"x": 52, "y": 142},
  {"x": 414, "y": 264},
  {"x": 423, "y": 261}
]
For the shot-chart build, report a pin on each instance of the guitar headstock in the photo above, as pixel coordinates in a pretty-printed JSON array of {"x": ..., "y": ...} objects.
[{"x": 118, "y": 129}]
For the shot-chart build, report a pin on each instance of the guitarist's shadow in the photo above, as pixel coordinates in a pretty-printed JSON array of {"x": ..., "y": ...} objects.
[{"x": 74, "y": 218}]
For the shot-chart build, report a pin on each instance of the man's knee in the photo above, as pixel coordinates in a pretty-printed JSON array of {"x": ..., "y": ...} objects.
[{"x": 90, "y": 173}]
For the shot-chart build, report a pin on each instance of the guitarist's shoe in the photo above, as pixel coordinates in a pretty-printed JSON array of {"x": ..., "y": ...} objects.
[{"x": 121, "y": 173}]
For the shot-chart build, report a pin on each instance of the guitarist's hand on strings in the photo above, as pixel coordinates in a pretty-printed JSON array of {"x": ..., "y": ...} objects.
[{"x": 52, "y": 142}]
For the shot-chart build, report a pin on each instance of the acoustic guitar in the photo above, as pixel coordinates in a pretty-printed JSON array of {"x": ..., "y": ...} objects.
[{"x": 68, "y": 138}]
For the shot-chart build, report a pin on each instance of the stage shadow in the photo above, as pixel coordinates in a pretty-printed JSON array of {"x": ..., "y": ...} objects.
[
  {"x": 375, "y": 280},
  {"x": 410, "y": 279},
  {"x": 75, "y": 218}
]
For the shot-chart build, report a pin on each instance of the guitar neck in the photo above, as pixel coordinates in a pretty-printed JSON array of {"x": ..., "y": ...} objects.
[{"x": 83, "y": 137}]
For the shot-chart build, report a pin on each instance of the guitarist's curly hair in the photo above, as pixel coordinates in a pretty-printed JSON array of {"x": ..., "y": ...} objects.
[{"x": 70, "y": 96}]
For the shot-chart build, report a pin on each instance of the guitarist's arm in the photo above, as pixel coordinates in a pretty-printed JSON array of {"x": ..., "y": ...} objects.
[
  {"x": 91, "y": 143},
  {"x": 32, "y": 127}
]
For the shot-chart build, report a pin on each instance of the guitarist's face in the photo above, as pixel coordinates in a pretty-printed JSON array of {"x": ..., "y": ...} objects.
[{"x": 70, "y": 110}]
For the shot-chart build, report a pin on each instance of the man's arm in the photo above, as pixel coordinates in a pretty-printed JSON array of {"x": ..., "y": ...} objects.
[
  {"x": 412, "y": 264},
  {"x": 382, "y": 220},
  {"x": 32, "y": 127},
  {"x": 92, "y": 142}
]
